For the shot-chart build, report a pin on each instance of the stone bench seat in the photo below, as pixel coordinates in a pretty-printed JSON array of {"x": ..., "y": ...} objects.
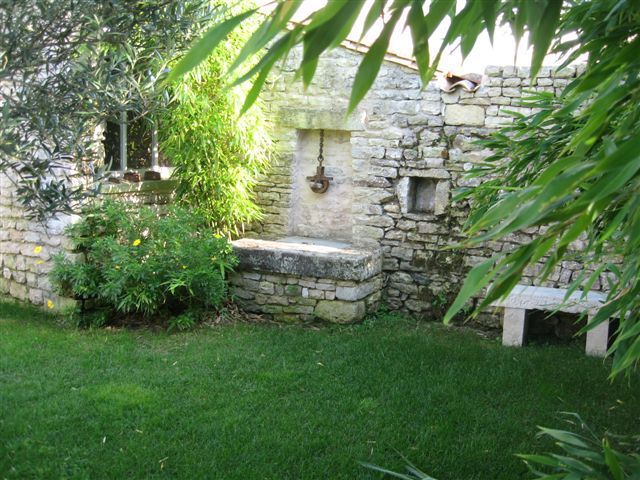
[{"x": 523, "y": 298}]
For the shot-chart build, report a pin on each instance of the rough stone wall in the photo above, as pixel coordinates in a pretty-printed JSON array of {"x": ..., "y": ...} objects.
[
  {"x": 294, "y": 298},
  {"x": 27, "y": 246},
  {"x": 410, "y": 148}
]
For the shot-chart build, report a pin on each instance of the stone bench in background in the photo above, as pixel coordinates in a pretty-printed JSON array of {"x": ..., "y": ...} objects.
[
  {"x": 302, "y": 279},
  {"x": 523, "y": 298}
]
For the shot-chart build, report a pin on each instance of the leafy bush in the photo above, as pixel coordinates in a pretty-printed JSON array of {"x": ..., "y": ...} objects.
[
  {"x": 218, "y": 155},
  {"x": 138, "y": 261}
]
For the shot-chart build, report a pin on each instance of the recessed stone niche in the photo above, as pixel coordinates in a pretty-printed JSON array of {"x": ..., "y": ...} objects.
[
  {"x": 424, "y": 191},
  {"x": 323, "y": 215},
  {"x": 422, "y": 195}
]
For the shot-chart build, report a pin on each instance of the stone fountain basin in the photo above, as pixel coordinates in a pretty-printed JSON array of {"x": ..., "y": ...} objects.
[
  {"x": 308, "y": 257},
  {"x": 306, "y": 279}
]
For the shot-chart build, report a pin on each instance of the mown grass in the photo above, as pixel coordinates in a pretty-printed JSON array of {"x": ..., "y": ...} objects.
[{"x": 263, "y": 402}]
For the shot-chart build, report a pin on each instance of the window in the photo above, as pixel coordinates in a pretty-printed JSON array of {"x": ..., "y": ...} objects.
[{"x": 132, "y": 144}]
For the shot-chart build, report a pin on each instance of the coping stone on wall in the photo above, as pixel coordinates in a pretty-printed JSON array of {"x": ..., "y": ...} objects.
[{"x": 148, "y": 186}]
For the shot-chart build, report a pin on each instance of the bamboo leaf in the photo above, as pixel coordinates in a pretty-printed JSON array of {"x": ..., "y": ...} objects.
[
  {"x": 267, "y": 31},
  {"x": 420, "y": 35},
  {"x": 565, "y": 437},
  {"x": 308, "y": 71},
  {"x": 331, "y": 30},
  {"x": 612, "y": 461},
  {"x": 374, "y": 14},
  {"x": 252, "y": 96},
  {"x": 438, "y": 9},
  {"x": 490, "y": 16},
  {"x": 477, "y": 278},
  {"x": 277, "y": 50},
  {"x": 206, "y": 44}
]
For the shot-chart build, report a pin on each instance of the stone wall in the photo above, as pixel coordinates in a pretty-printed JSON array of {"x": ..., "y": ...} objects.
[
  {"x": 291, "y": 298},
  {"x": 27, "y": 246},
  {"x": 401, "y": 154},
  {"x": 410, "y": 148}
]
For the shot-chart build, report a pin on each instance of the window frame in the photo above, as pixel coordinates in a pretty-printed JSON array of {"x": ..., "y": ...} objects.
[{"x": 123, "y": 124}]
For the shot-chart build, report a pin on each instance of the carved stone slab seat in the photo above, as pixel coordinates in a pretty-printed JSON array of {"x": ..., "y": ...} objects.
[{"x": 524, "y": 298}]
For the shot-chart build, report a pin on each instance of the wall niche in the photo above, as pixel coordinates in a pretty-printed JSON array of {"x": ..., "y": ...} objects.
[
  {"x": 325, "y": 215},
  {"x": 422, "y": 195},
  {"x": 424, "y": 192}
]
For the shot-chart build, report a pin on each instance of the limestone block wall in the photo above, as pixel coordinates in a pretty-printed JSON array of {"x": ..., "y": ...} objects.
[
  {"x": 295, "y": 280},
  {"x": 294, "y": 298},
  {"x": 27, "y": 246},
  {"x": 410, "y": 148}
]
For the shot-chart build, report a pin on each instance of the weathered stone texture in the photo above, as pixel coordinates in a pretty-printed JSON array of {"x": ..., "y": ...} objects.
[
  {"x": 27, "y": 247},
  {"x": 297, "y": 280},
  {"x": 293, "y": 298},
  {"x": 400, "y": 135}
]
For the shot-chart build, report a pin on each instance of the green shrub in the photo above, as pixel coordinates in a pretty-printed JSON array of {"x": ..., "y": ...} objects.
[
  {"x": 218, "y": 154},
  {"x": 137, "y": 261}
]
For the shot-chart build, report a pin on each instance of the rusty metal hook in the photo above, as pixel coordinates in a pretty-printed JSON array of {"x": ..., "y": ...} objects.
[{"x": 319, "y": 181}]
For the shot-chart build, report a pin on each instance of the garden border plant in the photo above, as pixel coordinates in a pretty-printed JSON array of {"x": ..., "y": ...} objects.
[{"x": 143, "y": 264}]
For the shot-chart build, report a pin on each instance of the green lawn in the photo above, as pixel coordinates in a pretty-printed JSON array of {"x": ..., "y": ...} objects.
[{"x": 263, "y": 402}]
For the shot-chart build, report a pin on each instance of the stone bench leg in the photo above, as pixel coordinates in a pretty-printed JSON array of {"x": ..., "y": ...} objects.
[
  {"x": 514, "y": 327},
  {"x": 598, "y": 339}
]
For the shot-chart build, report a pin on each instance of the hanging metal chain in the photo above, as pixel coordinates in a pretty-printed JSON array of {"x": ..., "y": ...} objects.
[
  {"x": 319, "y": 181},
  {"x": 320, "y": 156}
]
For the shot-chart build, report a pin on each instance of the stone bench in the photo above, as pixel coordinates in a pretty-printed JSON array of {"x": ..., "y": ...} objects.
[
  {"x": 305, "y": 279},
  {"x": 523, "y": 298}
]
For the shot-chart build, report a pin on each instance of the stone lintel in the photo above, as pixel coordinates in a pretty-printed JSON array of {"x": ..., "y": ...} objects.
[
  {"x": 148, "y": 186},
  {"x": 315, "y": 119},
  {"x": 436, "y": 173}
]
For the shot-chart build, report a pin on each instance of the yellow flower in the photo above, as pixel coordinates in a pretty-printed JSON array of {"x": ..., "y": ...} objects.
[
  {"x": 136, "y": 242},
  {"x": 117, "y": 267},
  {"x": 38, "y": 249},
  {"x": 49, "y": 304},
  {"x": 39, "y": 262}
]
